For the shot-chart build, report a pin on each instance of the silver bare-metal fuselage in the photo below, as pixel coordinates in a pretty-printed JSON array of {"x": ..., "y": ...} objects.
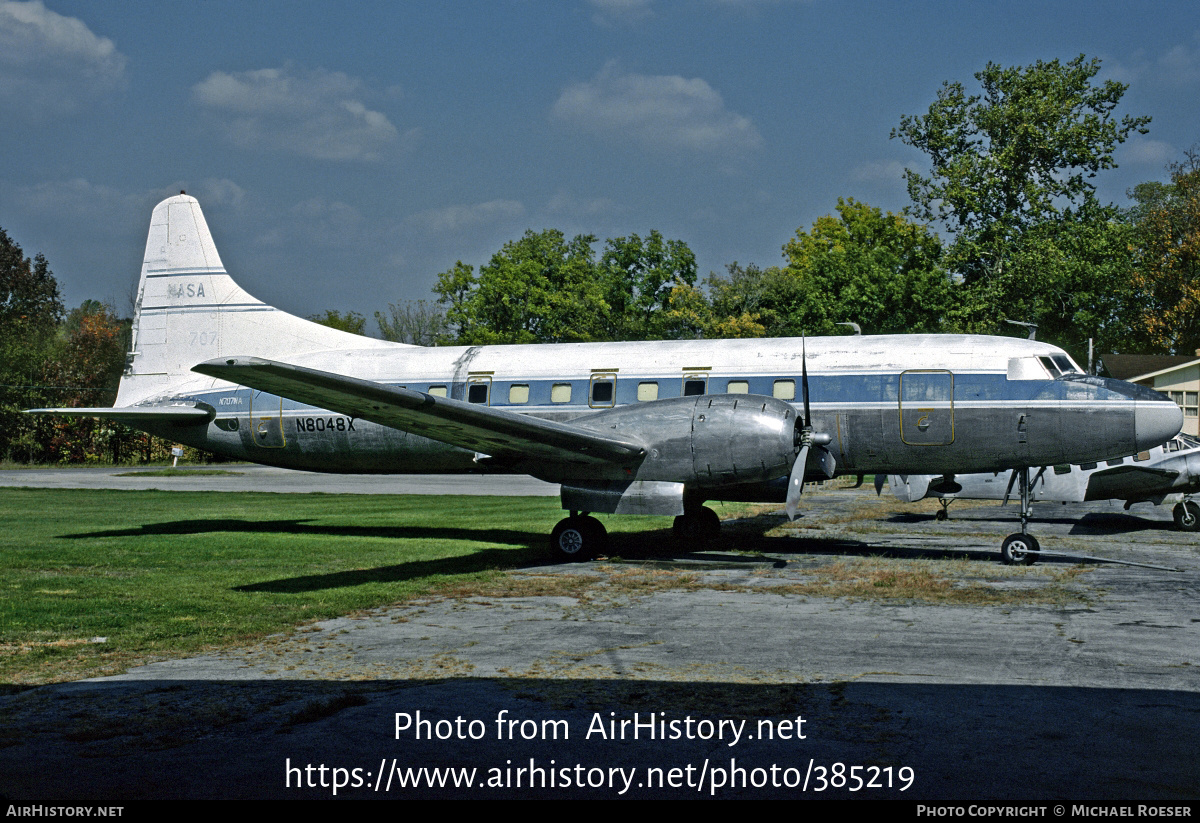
[{"x": 915, "y": 404}]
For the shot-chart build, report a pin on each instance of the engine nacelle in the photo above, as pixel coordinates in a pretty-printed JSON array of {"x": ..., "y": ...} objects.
[{"x": 710, "y": 440}]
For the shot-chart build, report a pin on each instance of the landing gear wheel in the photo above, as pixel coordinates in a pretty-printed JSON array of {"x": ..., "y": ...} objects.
[
  {"x": 1187, "y": 516},
  {"x": 941, "y": 514},
  {"x": 1020, "y": 550},
  {"x": 578, "y": 538},
  {"x": 697, "y": 526}
]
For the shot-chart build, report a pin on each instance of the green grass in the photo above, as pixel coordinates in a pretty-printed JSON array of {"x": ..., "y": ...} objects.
[{"x": 164, "y": 574}]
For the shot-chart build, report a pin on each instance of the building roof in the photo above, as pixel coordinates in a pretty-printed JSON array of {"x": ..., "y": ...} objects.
[{"x": 1125, "y": 366}]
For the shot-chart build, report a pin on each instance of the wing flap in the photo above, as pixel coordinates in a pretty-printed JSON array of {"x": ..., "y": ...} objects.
[{"x": 498, "y": 433}]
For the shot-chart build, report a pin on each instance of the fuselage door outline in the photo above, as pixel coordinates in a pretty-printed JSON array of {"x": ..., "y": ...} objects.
[
  {"x": 927, "y": 407},
  {"x": 266, "y": 421}
]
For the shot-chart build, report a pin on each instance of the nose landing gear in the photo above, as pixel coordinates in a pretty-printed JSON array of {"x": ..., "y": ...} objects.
[{"x": 1022, "y": 548}]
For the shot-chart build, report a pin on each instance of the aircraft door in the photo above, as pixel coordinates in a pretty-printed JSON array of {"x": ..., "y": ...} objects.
[
  {"x": 927, "y": 407},
  {"x": 479, "y": 389},
  {"x": 266, "y": 420}
]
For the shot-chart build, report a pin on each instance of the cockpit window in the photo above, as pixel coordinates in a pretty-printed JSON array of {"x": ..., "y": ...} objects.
[
  {"x": 1064, "y": 364},
  {"x": 1054, "y": 370}
]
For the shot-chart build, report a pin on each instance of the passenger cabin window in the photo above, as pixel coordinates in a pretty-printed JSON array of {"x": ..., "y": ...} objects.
[
  {"x": 693, "y": 386},
  {"x": 1141, "y": 456},
  {"x": 1119, "y": 461},
  {"x": 1087, "y": 466},
  {"x": 518, "y": 393},
  {"x": 437, "y": 391},
  {"x": 784, "y": 390},
  {"x": 1062, "y": 469},
  {"x": 738, "y": 387},
  {"x": 560, "y": 393},
  {"x": 647, "y": 392},
  {"x": 603, "y": 391},
  {"x": 477, "y": 393}
]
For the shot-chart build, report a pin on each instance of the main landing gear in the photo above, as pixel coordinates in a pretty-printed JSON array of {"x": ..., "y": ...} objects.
[
  {"x": 1187, "y": 516},
  {"x": 579, "y": 537},
  {"x": 1021, "y": 549},
  {"x": 697, "y": 524}
]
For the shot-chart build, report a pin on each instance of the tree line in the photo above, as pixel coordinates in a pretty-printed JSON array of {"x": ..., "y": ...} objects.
[{"x": 1010, "y": 183}]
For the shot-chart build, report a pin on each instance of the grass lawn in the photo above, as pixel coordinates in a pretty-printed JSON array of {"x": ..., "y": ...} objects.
[{"x": 163, "y": 574}]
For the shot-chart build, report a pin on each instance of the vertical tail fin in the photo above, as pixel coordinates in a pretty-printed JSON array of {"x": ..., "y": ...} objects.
[{"x": 190, "y": 310}]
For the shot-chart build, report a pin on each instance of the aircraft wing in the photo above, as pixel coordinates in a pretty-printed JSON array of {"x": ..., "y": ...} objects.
[
  {"x": 497, "y": 433},
  {"x": 186, "y": 414},
  {"x": 1128, "y": 481}
]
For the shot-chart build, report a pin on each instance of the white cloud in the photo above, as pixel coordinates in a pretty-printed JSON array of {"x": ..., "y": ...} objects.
[
  {"x": 1143, "y": 150},
  {"x": 80, "y": 198},
  {"x": 608, "y": 12},
  {"x": 318, "y": 114},
  {"x": 664, "y": 112},
  {"x": 1178, "y": 65},
  {"x": 49, "y": 64},
  {"x": 1181, "y": 64},
  {"x": 565, "y": 203},
  {"x": 471, "y": 216},
  {"x": 886, "y": 170}
]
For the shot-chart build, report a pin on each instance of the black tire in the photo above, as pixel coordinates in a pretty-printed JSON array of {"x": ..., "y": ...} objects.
[
  {"x": 941, "y": 515},
  {"x": 1187, "y": 516},
  {"x": 697, "y": 526},
  {"x": 1019, "y": 550},
  {"x": 576, "y": 539}
]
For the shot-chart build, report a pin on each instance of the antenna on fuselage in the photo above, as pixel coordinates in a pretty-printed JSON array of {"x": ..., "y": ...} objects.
[{"x": 1031, "y": 326}]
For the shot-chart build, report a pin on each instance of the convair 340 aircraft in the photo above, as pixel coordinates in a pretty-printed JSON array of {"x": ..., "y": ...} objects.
[{"x": 640, "y": 428}]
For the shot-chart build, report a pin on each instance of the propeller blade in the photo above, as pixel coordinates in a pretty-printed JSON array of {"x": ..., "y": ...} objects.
[
  {"x": 879, "y": 478},
  {"x": 804, "y": 383},
  {"x": 796, "y": 483}
]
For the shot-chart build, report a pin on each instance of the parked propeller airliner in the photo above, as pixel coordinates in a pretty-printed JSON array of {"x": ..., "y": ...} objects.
[
  {"x": 1169, "y": 473},
  {"x": 640, "y": 428}
]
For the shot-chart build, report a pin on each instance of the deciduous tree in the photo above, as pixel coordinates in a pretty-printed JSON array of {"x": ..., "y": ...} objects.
[{"x": 1014, "y": 156}]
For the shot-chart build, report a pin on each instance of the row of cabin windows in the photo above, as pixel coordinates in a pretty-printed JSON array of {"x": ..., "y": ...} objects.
[{"x": 603, "y": 388}]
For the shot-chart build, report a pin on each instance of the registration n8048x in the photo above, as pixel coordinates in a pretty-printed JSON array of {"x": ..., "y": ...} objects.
[{"x": 325, "y": 424}]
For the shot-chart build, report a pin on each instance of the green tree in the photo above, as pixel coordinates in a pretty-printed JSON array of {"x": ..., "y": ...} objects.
[
  {"x": 351, "y": 321},
  {"x": 861, "y": 266},
  {"x": 415, "y": 322},
  {"x": 1167, "y": 221},
  {"x": 874, "y": 269},
  {"x": 639, "y": 277},
  {"x": 539, "y": 289},
  {"x": 30, "y": 312},
  {"x": 1015, "y": 156}
]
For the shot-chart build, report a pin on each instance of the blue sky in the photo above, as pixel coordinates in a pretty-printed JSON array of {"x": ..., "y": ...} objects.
[{"x": 346, "y": 153}]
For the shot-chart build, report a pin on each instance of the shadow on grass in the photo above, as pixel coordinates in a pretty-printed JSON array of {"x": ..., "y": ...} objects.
[
  {"x": 308, "y": 528},
  {"x": 480, "y": 561}
]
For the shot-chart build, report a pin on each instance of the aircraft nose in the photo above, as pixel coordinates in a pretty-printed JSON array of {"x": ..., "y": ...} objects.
[{"x": 1156, "y": 422}]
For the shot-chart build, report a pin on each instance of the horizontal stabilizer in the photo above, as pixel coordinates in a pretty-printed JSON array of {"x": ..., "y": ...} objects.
[
  {"x": 136, "y": 414},
  {"x": 500, "y": 434}
]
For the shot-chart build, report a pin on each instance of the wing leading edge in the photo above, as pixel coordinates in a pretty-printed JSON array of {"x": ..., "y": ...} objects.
[
  {"x": 503, "y": 435},
  {"x": 182, "y": 414}
]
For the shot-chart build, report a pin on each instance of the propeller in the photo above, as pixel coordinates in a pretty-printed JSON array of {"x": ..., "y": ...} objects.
[{"x": 796, "y": 478}]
